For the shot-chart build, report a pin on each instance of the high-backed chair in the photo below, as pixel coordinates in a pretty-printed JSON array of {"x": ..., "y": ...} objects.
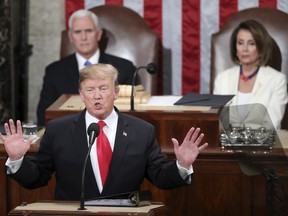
[
  {"x": 275, "y": 22},
  {"x": 127, "y": 35}
]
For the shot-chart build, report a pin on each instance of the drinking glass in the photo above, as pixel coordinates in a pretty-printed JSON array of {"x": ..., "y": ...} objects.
[{"x": 29, "y": 128}]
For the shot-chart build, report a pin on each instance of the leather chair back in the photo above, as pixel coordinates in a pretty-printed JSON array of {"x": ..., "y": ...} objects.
[
  {"x": 275, "y": 21},
  {"x": 127, "y": 35}
]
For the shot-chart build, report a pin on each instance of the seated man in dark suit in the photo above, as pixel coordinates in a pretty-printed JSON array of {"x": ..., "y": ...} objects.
[
  {"x": 61, "y": 77},
  {"x": 125, "y": 152}
]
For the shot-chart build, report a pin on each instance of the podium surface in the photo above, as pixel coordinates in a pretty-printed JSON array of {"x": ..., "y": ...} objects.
[{"x": 71, "y": 208}]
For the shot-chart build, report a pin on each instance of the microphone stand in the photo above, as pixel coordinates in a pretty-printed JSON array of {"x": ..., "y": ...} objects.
[
  {"x": 93, "y": 132},
  {"x": 82, "y": 200},
  {"x": 132, "y": 88}
]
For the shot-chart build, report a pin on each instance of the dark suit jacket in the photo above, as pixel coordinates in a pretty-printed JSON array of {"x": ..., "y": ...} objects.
[
  {"x": 61, "y": 77},
  {"x": 64, "y": 147}
]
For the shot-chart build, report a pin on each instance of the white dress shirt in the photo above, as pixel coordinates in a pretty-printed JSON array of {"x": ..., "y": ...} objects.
[{"x": 110, "y": 130}]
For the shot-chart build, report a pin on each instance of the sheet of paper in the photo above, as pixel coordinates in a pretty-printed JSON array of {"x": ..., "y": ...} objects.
[{"x": 168, "y": 100}]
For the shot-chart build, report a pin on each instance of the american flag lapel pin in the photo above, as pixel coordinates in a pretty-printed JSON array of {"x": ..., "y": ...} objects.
[{"x": 124, "y": 134}]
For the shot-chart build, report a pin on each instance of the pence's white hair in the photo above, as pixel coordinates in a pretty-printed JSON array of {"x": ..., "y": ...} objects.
[{"x": 83, "y": 13}]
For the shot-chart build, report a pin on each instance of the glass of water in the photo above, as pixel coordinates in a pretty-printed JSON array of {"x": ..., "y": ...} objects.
[{"x": 29, "y": 128}]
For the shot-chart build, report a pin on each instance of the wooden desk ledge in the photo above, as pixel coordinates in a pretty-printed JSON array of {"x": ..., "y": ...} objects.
[{"x": 66, "y": 208}]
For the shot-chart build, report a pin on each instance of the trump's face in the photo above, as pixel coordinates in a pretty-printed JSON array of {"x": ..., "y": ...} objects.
[
  {"x": 85, "y": 36},
  {"x": 98, "y": 95}
]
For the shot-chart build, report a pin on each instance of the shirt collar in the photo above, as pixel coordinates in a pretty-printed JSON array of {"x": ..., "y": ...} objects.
[
  {"x": 93, "y": 60},
  {"x": 111, "y": 120}
]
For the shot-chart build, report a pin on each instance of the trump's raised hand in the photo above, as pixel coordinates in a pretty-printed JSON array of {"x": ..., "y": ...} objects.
[
  {"x": 15, "y": 146},
  {"x": 187, "y": 152}
]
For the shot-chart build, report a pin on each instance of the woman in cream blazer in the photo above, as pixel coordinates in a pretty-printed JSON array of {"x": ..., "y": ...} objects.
[
  {"x": 270, "y": 90},
  {"x": 252, "y": 81}
]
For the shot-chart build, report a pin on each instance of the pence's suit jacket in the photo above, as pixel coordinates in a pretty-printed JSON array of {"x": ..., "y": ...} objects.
[
  {"x": 63, "y": 148},
  {"x": 61, "y": 77},
  {"x": 270, "y": 90}
]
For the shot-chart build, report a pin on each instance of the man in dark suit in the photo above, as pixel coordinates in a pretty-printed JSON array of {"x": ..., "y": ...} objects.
[
  {"x": 61, "y": 77},
  {"x": 64, "y": 146}
]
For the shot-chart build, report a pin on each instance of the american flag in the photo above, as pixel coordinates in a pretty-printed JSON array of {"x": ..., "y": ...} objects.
[{"x": 184, "y": 28}]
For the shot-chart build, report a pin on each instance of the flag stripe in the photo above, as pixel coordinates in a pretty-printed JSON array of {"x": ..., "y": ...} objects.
[
  {"x": 136, "y": 5},
  {"x": 209, "y": 23},
  {"x": 153, "y": 16},
  {"x": 171, "y": 46},
  {"x": 93, "y": 3},
  {"x": 191, "y": 46},
  {"x": 227, "y": 8},
  {"x": 72, "y": 6},
  {"x": 114, "y": 2},
  {"x": 175, "y": 53},
  {"x": 243, "y": 4},
  {"x": 282, "y": 5},
  {"x": 268, "y": 3},
  {"x": 184, "y": 28}
]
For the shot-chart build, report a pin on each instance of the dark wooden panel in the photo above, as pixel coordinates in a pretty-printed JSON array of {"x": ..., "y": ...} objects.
[
  {"x": 177, "y": 123},
  {"x": 3, "y": 192},
  {"x": 219, "y": 187}
]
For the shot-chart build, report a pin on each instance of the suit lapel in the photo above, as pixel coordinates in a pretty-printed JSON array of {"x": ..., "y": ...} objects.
[
  {"x": 79, "y": 135},
  {"x": 74, "y": 68},
  {"x": 231, "y": 87},
  {"x": 234, "y": 79},
  {"x": 102, "y": 58},
  {"x": 261, "y": 81}
]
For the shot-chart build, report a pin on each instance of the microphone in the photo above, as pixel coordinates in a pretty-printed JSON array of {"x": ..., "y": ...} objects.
[
  {"x": 93, "y": 131},
  {"x": 150, "y": 68}
]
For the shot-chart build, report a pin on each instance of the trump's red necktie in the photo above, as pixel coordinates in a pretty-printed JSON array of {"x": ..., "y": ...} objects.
[{"x": 104, "y": 152}]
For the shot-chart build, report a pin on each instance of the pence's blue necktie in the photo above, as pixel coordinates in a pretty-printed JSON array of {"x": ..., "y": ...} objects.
[{"x": 87, "y": 63}]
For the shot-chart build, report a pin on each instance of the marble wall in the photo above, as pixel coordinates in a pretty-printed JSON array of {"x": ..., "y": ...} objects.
[{"x": 46, "y": 21}]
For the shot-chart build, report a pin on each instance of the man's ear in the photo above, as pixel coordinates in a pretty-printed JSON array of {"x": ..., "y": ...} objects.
[
  {"x": 117, "y": 92},
  {"x": 81, "y": 95},
  {"x": 99, "y": 34},
  {"x": 70, "y": 36}
]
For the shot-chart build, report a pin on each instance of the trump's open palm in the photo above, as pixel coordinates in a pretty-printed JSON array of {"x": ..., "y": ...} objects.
[
  {"x": 15, "y": 146},
  {"x": 187, "y": 152}
]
